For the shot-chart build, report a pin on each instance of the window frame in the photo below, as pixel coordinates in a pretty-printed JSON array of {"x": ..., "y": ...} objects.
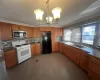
[{"x": 94, "y": 35}]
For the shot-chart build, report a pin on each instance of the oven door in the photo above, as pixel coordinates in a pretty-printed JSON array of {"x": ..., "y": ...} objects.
[{"x": 23, "y": 53}]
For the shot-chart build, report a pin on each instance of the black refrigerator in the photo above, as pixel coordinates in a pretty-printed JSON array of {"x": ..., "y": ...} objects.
[{"x": 46, "y": 42}]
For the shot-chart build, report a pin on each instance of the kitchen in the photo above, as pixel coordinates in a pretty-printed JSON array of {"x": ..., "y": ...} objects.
[{"x": 34, "y": 48}]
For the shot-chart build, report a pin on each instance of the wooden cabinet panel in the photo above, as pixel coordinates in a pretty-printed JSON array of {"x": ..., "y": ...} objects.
[
  {"x": 5, "y": 31},
  {"x": 58, "y": 31},
  {"x": 29, "y": 32},
  {"x": 36, "y": 32},
  {"x": 93, "y": 75},
  {"x": 33, "y": 49},
  {"x": 53, "y": 39},
  {"x": 72, "y": 53},
  {"x": 15, "y": 27},
  {"x": 10, "y": 58},
  {"x": 18, "y": 27},
  {"x": 38, "y": 49},
  {"x": 94, "y": 68},
  {"x": 57, "y": 47},
  {"x": 84, "y": 60},
  {"x": 94, "y": 65},
  {"x": 45, "y": 29},
  {"x": 23, "y": 28}
]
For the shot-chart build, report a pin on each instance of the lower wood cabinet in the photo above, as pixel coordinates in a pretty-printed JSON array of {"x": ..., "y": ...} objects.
[
  {"x": 94, "y": 68},
  {"x": 84, "y": 60},
  {"x": 33, "y": 49},
  {"x": 38, "y": 49},
  {"x": 57, "y": 46},
  {"x": 10, "y": 58},
  {"x": 72, "y": 53}
]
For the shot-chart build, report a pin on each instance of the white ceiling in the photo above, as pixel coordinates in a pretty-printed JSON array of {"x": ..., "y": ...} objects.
[{"x": 22, "y": 11}]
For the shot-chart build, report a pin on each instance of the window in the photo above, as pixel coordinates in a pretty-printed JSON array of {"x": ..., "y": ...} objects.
[
  {"x": 76, "y": 35},
  {"x": 67, "y": 35},
  {"x": 88, "y": 34}
]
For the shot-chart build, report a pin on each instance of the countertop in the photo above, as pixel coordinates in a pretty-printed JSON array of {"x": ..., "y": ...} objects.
[
  {"x": 13, "y": 48},
  {"x": 90, "y": 50}
]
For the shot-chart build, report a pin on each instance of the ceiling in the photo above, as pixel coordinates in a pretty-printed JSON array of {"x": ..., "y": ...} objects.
[{"x": 22, "y": 11}]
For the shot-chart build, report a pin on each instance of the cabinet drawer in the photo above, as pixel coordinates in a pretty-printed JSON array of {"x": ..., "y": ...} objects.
[
  {"x": 94, "y": 66},
  {"x": 10, "y": 52},
  {"x": 93, "y": 75}
]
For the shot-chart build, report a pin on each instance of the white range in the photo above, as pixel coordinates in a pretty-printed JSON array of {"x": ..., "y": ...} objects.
[{"x": 23, "y": 50}]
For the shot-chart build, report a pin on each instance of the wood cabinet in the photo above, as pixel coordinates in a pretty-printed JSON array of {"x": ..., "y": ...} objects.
[
  {"x": 18, "y": 27},
  {"x": 36, "y": 32},
  {"x": 15, "y": 27},
  {"x": 84, "y": 60},
  {"x": 59, "y": 31},
  {"x": 38, "y": 49},
  {"x": 29, "y": 32},
  {"x": 33, "y": 49},
  {"x": 53, "y": 37},
  {"x": 57, "y": 46},
  {"x": 94, "y": 68},
  {"x": 10, "y": 58},
  {"x": 61, "y": 47},
  {"x": 5, "y": 31},
  {"x": 72, "y": 53},
  {"x": 42, "y": 29}
]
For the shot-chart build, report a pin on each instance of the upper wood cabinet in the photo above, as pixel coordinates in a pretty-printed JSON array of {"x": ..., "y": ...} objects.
[
  {"x": 45, "y": 28},
  {"x": 5, "y": 31},
  {"x": 29, "y": 32},
  {"x": 53, "y": 39},
  {"x": 36, "y": 32},
  {"x": 58, "y": 31},
  {"x": 15, "y": 27},
  {"x": 18, "y": 27}
]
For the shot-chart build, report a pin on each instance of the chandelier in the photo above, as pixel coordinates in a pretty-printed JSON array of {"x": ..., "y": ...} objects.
[{"x": 49, "y": 19}]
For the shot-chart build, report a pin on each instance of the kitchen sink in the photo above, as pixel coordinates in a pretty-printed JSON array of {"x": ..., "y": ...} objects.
[{"x": 79, "y": 46}]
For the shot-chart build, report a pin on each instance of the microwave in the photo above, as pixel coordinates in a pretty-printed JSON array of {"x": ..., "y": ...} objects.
[{"x": 19, "y": 34}]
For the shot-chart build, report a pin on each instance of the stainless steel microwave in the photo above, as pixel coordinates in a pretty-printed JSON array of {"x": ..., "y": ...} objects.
[{"x": 19, "y": 34}]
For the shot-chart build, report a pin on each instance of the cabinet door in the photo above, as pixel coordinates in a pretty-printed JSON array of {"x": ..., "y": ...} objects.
[
  {"x": 57, "y": 47},
  {"x": 6, "y": 32},
  {"x": 29, "y": 32},
  {"x": 37, "y": 32},
  {"x": 33, "y": 49},
  {"x": 23, "y": 28},
  {"x": 34, "y": 32},
  {"x": 10, "y": 58},
  {"x": 38, "y": 49},
  {"x": 84, "y": 60},
  {"x": 15, "y": 27},
  {"x": 53, "y": 39}
]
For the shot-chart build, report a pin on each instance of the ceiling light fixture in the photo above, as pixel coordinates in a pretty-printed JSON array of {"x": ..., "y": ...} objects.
[{"x": 49, "y": 20}]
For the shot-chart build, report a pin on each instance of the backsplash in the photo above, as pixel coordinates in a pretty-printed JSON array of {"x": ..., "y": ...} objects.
[
  {"x": 8, "y": 43},
  {"x": 59, "y": 38}
]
